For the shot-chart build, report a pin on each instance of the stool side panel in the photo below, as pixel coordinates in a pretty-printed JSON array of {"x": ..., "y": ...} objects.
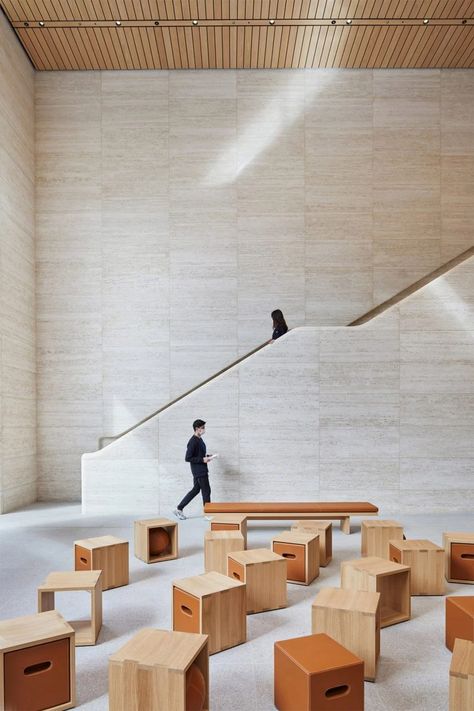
[
  {"x": 357, "y": 631},
  {"x": 224, "y": 618},
  {"x": 291, "y": 683}
]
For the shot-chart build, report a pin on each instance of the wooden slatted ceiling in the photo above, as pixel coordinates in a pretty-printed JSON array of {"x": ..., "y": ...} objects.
[{"x": 82, "y": 34}]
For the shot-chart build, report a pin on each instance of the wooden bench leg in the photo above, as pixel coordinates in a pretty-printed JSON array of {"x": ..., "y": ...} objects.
[{"x": 346, "y": 524}]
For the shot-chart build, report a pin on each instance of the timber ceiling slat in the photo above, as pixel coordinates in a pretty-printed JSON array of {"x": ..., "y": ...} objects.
[
  {"x": 290, "y": 46},
  {"x": 441, "y": 46},
  {"x": 448, "y": 48},
  {"x": 373, "y": 52},
  {"x": 326, "y": 48},
  {"x": 452, "y": 51},
  {"x": 401, "y": 47},
  {"x": 462, "y": 60},
  {"x": 262, "y": 46},
  {"x": 338, "y": 49},
  {"x": 468, "y": 60},
  {"x": 295, "y": 60},
  {"x": 308, "y": 31},
  {"x": 34, "y": 54},
  {"x": 360, "y": 47},
  {"x": 86, "y": 50},
  {"x": 414, "y": 38},
  {"x": 113, "y": 41},
  {"x": 226, "y": 47},
  {"x": 351, "y": 37},
  {"x": 314, "y": 39},
  {"x": 467, "y": 40},
  {"x": 427, "y": 49},
  {"x": 425, "y": 38},
  {"x": 254, "y": 47}
]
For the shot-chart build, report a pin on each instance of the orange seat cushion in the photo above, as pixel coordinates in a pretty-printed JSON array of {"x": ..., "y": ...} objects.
[{"x": 316, "y": 507}]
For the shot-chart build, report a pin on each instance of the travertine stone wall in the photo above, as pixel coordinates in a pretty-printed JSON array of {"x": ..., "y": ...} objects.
[
  {"x": 17, "y": 276},
  {"x": 175, "y": 210},
  {"x": 381, "y": 412}
]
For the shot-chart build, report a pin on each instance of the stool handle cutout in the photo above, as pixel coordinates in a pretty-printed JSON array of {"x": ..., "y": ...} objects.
[
  {"x": 83, "y": 560},
  {"x": 236, "y": 575},
  {"x": 467, "y": 556},
  {"x": 37, "y": 668},
  {"x": 289, "y": 555},
  {"x": 186, "y": 610},
  {"x": 337, "y": 691}
]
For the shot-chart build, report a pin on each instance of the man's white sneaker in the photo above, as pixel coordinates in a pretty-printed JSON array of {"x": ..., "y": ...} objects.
[
  {"x": 208, "y": 518},
  {"x": 179, "y": 514}
]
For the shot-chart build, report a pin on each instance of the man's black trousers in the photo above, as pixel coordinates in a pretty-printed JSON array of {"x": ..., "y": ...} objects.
[{"x": 201, "y": 484}]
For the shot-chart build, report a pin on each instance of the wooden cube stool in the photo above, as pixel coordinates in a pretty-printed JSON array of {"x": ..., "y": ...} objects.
[
  {"x": 156, "y": 539},
  {"x": 316, "y": 672},
  {"x": 300, "y": 549},
  {"x": 459, "y": 619},
  {"x": 217, "y": 544},
  {"x": 211, "y": 604},
  {"x": 106, "y": 553},
  {"x": 37, "y": 663},
  {"x": 324, "y": 530},
  {"x": 391, "y": 580},
  {"x": 459, "y": 550},
  {"x": 352, "y": 618},
  {"x": 230, "y": 522},
  {"x": 461, "y": 677},
  {"x": 90, "y": 581},
  {"x": 375, "y": 536},
  {"x": 264, "y": 574},
  {"x": 426, "y": 561},
  {"x": 157, "y": 670}
]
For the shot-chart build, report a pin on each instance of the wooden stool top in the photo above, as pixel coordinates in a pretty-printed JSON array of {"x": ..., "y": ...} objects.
[
  {"x": 254, "y": 556},
  {"x": 416, "y": 545},
  {"x": 71, "y": 580},
  {"x": 99, "y": 542},
  {"x": 31, "y": 629},
  {"x": 151, "y": 647},
  {"x": 376, "y": 566},
  {"x": 207, "y": 584},
  {"x": 341, "y": 599},
  {"x": 300, "y": 537}
]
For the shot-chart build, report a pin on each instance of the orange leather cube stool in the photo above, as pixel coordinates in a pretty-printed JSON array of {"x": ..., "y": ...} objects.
[
  {"x": 106, "y": 553},
  {"x": 211, "y": 604},
  {"x": 300, "y": 549},
  {"x": 316, "y": 673},
  {"x": 459, "y": 551},
  {"x": 459, "y": 619},
  {"x": 37, "y": 663},
  {"x": 157, "y": 670}
]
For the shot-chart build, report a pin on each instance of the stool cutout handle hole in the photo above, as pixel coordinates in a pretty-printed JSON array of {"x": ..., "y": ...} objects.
[
  {"x": 37, "y": 668},
  {"x": 467, "y": 556},
  {"x": 292, "y": 556},
  {"x": 84, "y": 561},
  {"x": 336, "y": 691},
  {"x": 236, "y": 575},
  {"x": 186, "y": 610}
]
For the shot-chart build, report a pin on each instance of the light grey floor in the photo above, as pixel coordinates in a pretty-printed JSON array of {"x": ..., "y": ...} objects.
[{"x": 413, "y": 670}]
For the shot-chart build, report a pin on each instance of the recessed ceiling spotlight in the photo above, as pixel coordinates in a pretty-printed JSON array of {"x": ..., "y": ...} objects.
[
  {"x": 157, "y": 22},
  {"x": 118, "y": 23},
  {"x": 348, "y": 22},
  {"x": 464, "y": 22},
  {"x": 195, "y": 22},
  {"x": 333, "y": 22},
  {"x": 426, "y": 21},
  {"x": 26, "y": 24},
  {"x": 41, "y": 23},
  {"x": 271, "y": 22}
]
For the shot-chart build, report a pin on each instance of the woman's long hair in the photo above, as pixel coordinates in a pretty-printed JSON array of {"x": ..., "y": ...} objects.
[{"x": 279, "y": 320}]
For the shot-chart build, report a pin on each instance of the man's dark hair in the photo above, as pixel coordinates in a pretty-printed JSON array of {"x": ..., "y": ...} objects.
[{"x": 198, "y": 423}]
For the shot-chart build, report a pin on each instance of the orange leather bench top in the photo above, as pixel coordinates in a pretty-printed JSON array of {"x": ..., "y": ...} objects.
[{"x": 316, "y": 507}]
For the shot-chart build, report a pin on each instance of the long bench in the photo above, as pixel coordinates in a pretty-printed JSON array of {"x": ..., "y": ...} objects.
[{"x": 284, "y": 510}]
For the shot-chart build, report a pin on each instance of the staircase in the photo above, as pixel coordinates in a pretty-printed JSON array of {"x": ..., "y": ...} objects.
[{"x": 321, "y": 413}]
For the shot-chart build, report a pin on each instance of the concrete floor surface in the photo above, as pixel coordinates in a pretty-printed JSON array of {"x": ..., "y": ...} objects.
[{"x": 413, "y": 671}]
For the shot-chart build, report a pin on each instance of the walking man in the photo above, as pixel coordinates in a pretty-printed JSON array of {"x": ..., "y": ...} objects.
[{"x": 198, "y": 459}]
